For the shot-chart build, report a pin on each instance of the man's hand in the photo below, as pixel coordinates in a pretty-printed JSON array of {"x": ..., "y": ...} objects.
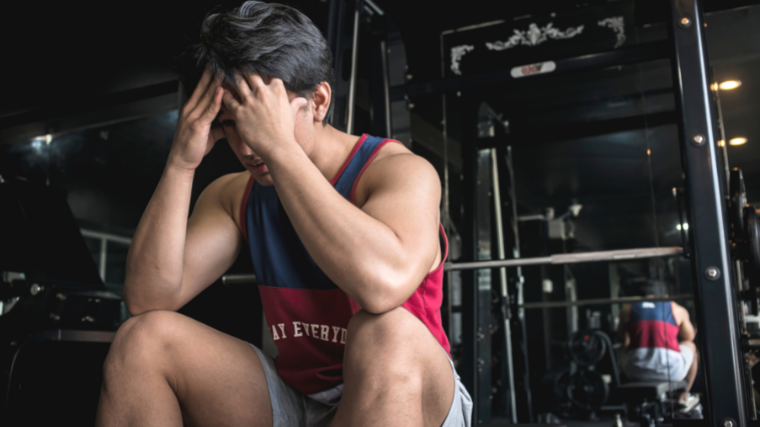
[
  {"x": 194, "y": 137},
  {"x": 264, "y": 117}
]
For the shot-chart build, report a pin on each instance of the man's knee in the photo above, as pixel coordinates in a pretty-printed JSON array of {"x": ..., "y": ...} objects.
[
  {"x": 142, "y": 340},
  {"x": 384, "y": 345}
]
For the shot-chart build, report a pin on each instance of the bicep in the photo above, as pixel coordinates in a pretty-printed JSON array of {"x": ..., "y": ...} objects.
[
  {"x": 212, "y": 244},
  {"x": 405, "y": 197}
]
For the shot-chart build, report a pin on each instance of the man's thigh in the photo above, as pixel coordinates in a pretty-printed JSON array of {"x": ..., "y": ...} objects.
[{"x": 218, "y": 379}]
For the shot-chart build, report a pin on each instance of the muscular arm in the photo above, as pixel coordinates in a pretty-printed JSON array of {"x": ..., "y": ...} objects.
[
  {"x": 378, "y": 254},
  {"x": 686, "y": 331},
  {"x": 172, "y": 259}
]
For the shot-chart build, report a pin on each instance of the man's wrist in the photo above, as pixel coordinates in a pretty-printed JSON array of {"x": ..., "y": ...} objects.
[
  {"x": 177, "y": 167},
  {"x": 284, "y": 153}
]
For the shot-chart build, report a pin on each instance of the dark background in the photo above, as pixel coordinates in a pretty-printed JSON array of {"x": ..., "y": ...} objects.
[{"x": 100, "y": 77}]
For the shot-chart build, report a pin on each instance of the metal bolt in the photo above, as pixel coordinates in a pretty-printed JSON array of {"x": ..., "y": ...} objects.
[
  {"x": 60, "y": 296},
  {"x": 411, "y": 105},
  {"x": 35, "y": 289},
  {"x": 88, "y": 319},
  {"x": 685, "y": 22},
  {"x": 698, "y": 140},
  {"x": 1, "y": 179},
  {"x": 728, "y": 423},
  {"x": 409, "y": 76},
  {"x": 712, "y": 273}
]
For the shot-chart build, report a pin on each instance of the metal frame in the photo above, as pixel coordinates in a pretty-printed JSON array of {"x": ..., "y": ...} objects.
[
  {"x": 340, "y": 41},
  {"x": 627, "y": 55},
  {"x": 711, "y": 264},
  {"x": 708, "y": 243}
]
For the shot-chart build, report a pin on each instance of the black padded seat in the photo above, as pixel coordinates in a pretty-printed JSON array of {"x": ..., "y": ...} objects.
[{"x": 639, "y": 391}]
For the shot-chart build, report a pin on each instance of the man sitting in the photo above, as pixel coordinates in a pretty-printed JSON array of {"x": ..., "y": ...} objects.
[
  {"x": 658, "y": 342},
  {"x": 346, "y": 243}
]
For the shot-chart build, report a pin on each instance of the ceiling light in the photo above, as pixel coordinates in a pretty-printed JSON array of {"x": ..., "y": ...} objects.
[
  {"x": 737, "y": 141},
  {"x": 730, "y": 84}
]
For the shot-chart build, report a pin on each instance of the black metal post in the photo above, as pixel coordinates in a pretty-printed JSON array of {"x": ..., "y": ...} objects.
[
  {"x": 711, "y": 265},
  {"x": 342, "y": 29}
]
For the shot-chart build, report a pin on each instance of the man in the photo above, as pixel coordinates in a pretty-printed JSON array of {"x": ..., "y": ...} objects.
[
  {"x": 658, "y": 342},
  {"x": 346, "y": 244}
]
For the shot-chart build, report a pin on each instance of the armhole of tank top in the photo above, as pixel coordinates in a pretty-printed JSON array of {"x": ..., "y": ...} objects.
[
  {"x": 382, "y": 143},
  {"x": 243, "y": 207},
  {"x": 444, "y": 250},
  {"x": 351, "y": 155}
]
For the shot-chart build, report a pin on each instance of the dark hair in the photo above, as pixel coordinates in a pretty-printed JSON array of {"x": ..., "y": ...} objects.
[
  {"x": 272, "y": 40},
  {"x": 653, "y": 287}
]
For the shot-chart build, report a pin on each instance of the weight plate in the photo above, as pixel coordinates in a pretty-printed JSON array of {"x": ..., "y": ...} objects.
[
  {"x": 736, "y": 202},
  {"x": 587, "y": 348},
  {"x": 587, "y": 390},
  {"x": 752, "y": 228}
]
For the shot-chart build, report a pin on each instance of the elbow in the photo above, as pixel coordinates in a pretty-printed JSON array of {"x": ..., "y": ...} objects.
[
  {"x": 138, "y": 301},
  {"x": 133, "y": 308},
  {"x": 384, "y": 296}
]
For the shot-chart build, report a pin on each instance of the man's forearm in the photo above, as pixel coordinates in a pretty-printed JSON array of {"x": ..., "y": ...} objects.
[
  {"x": 155, "y": 259},
  {"x": 360, "y": 254}
]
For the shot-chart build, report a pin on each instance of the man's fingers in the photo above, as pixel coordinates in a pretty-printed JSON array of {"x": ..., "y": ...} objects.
[
  {"x": 207, "y": 98},
  {"x": 200, "y": 89},
  {"x": 255, "y": 82},
  {"x": 230, "y": 101},
  {"x": 243, "y": 88},
  {"x": 212, "y": 108},
  {"x": 297, "y": 103}
]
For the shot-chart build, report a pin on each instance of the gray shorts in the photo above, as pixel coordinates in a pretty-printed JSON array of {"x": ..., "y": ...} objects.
[
  {"x": 657, "y": 364},
  {"x": 291, "y": 408}
]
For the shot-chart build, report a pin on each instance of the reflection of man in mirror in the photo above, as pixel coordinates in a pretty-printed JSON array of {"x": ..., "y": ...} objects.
[{"x": 658, "y": 341}]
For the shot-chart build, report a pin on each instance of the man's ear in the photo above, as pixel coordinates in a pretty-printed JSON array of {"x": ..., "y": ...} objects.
[{"x": 321, "y": 98}]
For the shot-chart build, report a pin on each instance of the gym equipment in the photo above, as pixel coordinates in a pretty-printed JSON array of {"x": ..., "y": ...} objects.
[
  {"x": 650, "y": 403},
  {"x": 619, "y": 255},
  {"x": 587, "y": 349},
  {"x": 737, "y": 200},
  {"x": 587, "y": 390},
  {"x": 58, "y": 319},
  {"x": 581, "y": 390},
  {"x": 752, "y": 231},
  {"x": 597, "y": 301}
]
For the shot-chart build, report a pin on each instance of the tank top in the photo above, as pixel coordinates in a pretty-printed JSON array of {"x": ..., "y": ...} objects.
[
  {"x": 652, "y": 325},
  {"x": 306, "y": 312},
  {"x": 654, "y": 352}
]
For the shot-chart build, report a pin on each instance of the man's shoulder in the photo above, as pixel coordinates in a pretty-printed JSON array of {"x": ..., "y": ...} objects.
[
  {"x": 227, "y": 190},
  {"x": 395, "y": 163},
  {"x": 396, "y": 158}
]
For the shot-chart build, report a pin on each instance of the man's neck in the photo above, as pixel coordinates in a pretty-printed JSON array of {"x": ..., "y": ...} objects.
[{"x": 330, "y": 150}]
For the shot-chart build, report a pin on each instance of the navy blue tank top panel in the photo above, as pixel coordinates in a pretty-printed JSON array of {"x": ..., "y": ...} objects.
[
  {"x": 279, "y": 257},
  {"x": 660, "y": 311}
]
